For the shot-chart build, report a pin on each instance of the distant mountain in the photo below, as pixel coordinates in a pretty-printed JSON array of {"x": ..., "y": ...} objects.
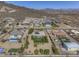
[
  {"x": 10, "y": 10},
  {"x": 19, "y": 13},
  {"x": 61, "y": 11}
]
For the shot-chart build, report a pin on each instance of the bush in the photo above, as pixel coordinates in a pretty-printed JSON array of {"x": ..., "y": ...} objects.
[
  {"x": 21, "y": 50},
  {"x": 36, "y": 52},
  {"x": 55, "y": 50},
  {"x": 41, "y": 51},
  {"x": 46, "y": 51},
  {"x": 35, "y": 45},
  {"x": 13, "y": 51}
]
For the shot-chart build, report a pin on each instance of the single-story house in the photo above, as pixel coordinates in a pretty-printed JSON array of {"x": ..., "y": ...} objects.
[
  {"x": 71, "y": 46},
  {"x": 59, "y": 32},
  {"x": 75, "y": 31},
  {"x": 1, "y": 50},
  {"x": 14, "y": 37}
]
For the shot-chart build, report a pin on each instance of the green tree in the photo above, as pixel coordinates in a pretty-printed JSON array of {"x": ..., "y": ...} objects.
[
  {"x": 46, "y": 51},
  {"x": 30, "y": 30},
  {"x": 41, "y": 51}
]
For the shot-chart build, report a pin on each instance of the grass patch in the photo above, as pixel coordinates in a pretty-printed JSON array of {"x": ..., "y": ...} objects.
[
  {"x": 13, "y": 50},
  {"x": 39, "y": 39}
]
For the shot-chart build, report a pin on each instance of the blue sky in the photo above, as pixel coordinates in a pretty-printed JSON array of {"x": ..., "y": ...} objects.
[{"x": 47, "y": 4}]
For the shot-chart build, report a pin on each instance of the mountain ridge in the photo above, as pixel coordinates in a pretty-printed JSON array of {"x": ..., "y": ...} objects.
[{"x": 29, "y": 12}]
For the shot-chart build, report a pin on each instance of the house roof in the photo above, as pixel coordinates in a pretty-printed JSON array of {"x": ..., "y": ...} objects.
[
  {"x": 59, "y": 32},
  {"x": 75, "y": 31},
  {"x": 39, "y": 33},
  {"x": 72, "y": 45},
  {"x": 1, "y": 50},
  {"x": 13, "y": 37}
]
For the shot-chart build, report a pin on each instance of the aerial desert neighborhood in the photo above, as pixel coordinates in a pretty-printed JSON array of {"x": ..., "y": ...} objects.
[{"x": 30, "y": 32}]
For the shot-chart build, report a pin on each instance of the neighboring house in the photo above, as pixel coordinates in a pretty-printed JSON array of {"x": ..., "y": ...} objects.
[
  {"x": 37, "y": 22},
  {"x": 27, "y": 21},
  {"x": 57, "y": 20},
  {"x": 1, "y": 50},
  {"x": 8, "y": 19},
  {"x": 15, "y": 36},
  {"x": 71, "y": 46},
  {"x": 48, "y": 26},
  {"x": 75, "y": 32},
  {"x": 48, "y": 23},
  {"x": 59, "y": 33}
]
